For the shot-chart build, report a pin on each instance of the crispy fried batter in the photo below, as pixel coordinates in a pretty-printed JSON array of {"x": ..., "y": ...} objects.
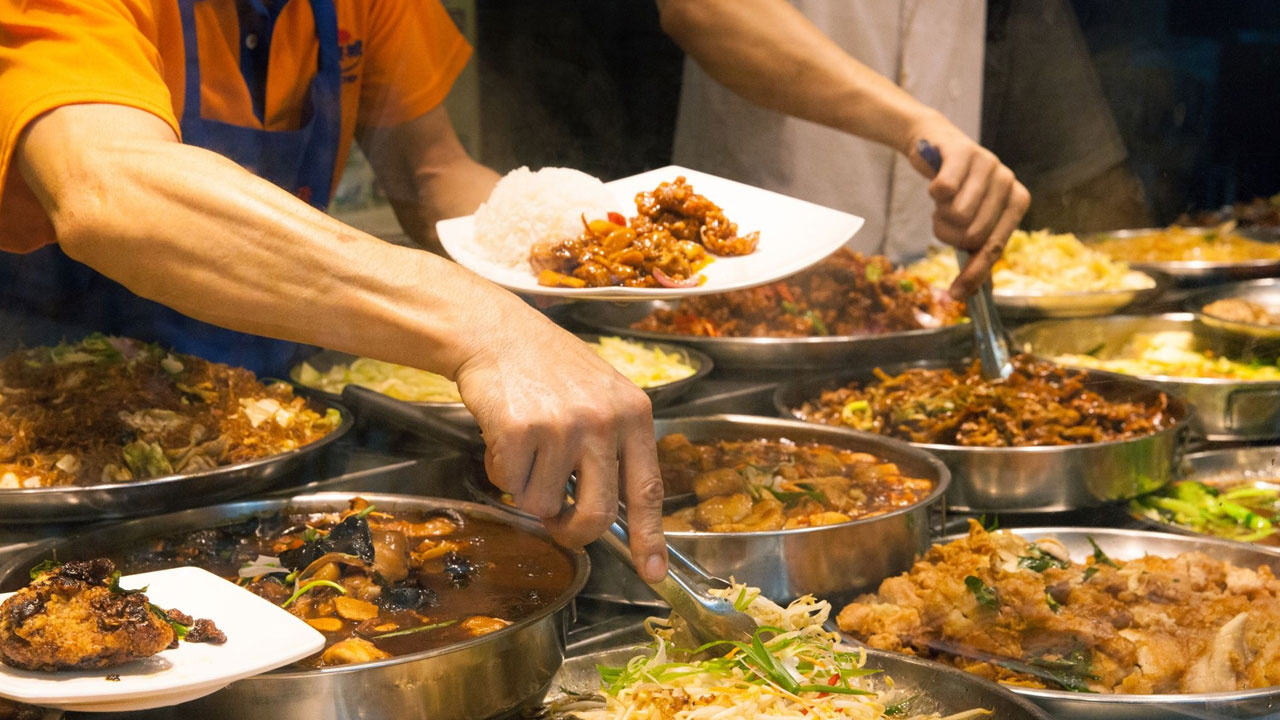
[
  {"x": 1154, "y": 625},
  {"x": 72, "y": 619}
]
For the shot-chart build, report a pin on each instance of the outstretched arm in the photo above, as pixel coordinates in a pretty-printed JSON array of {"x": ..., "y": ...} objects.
[
  {"x": 188, "y": 228},
  {"x": 770, "y": 54}
]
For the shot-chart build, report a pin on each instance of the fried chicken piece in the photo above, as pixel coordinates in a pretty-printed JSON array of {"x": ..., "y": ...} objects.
[
  {"x": 72, "y": 619},
  {"x": 351, "y": 651}
]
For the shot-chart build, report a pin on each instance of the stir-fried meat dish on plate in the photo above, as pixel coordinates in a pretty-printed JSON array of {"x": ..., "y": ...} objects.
[
  {"x": 76, "y": 617},
  {"x": 673, "y": 237},
  {"x": 1025, "y": 613},
  {"x": 845, "y": 294},
  {"x": 378, "y": 584},
  {"x": 1039, "y": 404},
  {"x": 110, "y": 410},
  {"x": 761, "y": 485}
]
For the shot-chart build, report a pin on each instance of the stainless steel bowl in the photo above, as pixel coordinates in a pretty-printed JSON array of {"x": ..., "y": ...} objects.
[
  {"x": 1042, "y": 478},
  {"x": 774, "y": 353},
  {"x": 457, "y": 414},
  {"x": 837, "y": 561},
  {"x": 111, "y": 501},
  {"x": 1263, "y": 292},
  {"x": 480, "y": 678},
  {"x": 1082, "y": 304},
  {"x": 945, "y": 690},
  {"x": 1199, "y": 272},
  {"x": 1130, "y": 545},
  {"x": 1221, "y": 467},
  {"x": 1227, "y": 410}
]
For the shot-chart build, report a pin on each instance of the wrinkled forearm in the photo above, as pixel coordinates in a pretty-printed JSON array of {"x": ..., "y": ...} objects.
[
  {"x": 769, "y": 53},
  {"x": 190, "y": 229}
]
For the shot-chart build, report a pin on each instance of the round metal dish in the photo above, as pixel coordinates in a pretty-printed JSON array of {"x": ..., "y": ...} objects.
[
  {"x": 1263, "y": 292},
  {"x": 784, "y": 353},
  {"x": 479, "y": 678},
  {"x": 1041, "y": 478},
  {"x": 1199, "y": 272},
  {"x": 831, "y": 561},
  {"x": 1130, "y": 545},
  {"x": 457, "y": 414},
  {"x": 1221, "y": 467},
  {"x": 162, "y": 494},
  {"x": 1082, "y": 304},
  {"x": 1227, "y": 410},
  {"x": 946, "y": 690}
]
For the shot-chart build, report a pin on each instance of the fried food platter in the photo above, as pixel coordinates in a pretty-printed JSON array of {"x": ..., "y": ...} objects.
[{"x": 1123, "y": 544}]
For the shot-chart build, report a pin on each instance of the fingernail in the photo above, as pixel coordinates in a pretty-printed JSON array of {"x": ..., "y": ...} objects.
[{"x": 655, "y": 567}]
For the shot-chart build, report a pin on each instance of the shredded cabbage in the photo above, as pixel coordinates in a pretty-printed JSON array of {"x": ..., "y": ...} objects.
[
  {"x": 643, "y": 365},
  {"x": 1171, "y": 353}
]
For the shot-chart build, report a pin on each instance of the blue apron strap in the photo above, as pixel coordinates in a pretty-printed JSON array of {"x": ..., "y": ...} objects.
[
  {"x": 191, "y": 82},
  {"x": 326, "y": 103}
]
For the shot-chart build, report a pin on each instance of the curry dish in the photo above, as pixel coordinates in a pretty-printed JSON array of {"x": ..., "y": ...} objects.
[
  {"x": 110, "y": 410},
  {"x": 1024, "y": 613},
  {"x": 845, "y": 294},
  {"x": 762, "y": 485},
  {"x": 673, "y": 237},
  {"x": 378, "y": 584},
  {"x": 1039, "y": 404},
  {"x": 1179, "y": 244}
]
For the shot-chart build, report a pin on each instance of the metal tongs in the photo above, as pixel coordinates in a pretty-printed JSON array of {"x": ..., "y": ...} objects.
[
  {"x": 988, "y": 335},
  {"x": 685, "y": 589}
]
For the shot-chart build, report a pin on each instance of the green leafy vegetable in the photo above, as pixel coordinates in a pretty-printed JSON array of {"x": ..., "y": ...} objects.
[
  {"x": 45, "y": 567},
  {"x": 1101, "y": 557},
  {"x": 982, "y": 592},
  {"x": 902, "y": 707},
  {"x": 1090, "y": 572},
  {"x": 1039, "y": 560},
  {"x": 146, "y": 459}
]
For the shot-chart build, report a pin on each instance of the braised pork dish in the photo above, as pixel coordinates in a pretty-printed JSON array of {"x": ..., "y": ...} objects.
[
  {"x": 1039, "y": 404},
  {"x": 845, "y": 294},
  {"x": 77, "y": 617},
  {"x": 761, "y": 485},
  {"x": 378, "y": 584},
  {"x": 112, "y": 410},
  {"x": 1024, "y": 613},
  {"x": 673, "y": 236}
]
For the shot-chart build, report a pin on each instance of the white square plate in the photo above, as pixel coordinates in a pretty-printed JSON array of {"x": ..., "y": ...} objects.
[
  {"x": 260, "y": 637},
  {"x": 794, "y": 234}
]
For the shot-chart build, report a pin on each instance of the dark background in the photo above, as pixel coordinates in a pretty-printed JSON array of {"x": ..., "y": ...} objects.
[{"x": 1194, "y": 86}]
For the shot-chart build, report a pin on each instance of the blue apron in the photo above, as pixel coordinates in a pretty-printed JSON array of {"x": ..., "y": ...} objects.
[{"x": 48, "y": 284}]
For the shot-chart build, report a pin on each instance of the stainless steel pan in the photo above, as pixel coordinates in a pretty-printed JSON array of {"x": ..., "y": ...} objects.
[
  {"x": 480, "y": 678},
  {"x": 1036, "y": 479},
  {"x": 775, "y": 353},
  {"x": 457, "y": 414},
  {"x": 1129, "y": 545},
  {"x": 163, "y": 494},
  {"x": 1200, "y": 272},
  {"x": 1227, "y": 410},
  {"x": 945, "y": 690}
]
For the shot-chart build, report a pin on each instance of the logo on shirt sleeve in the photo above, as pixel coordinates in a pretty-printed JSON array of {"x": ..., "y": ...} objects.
[{"x": 352, "y": 51}]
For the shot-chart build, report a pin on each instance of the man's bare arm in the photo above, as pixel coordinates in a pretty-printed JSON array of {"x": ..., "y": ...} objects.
[
  {"x": 426, "y": 173},
  {"x": 770, "y": 54},
  {"x": 195, "y": 231}
]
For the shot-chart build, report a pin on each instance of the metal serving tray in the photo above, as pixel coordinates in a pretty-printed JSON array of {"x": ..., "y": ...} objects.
[
  {"x": 1129, "y": 545},
  {"x": 1041, "y": 478},
  {"x": 774, "y": 353},
  {"x": 946, "y": 690},
  {"x": 1263, "y": 292},
  {"x": 1218, "y": 467},
  {"x": 1227, "y": 410},
  {"x": 163, "y": 494},
  {"x": 457, "y": 414},
  {"x": 471, "y": 680},
  {"x": 1197, "y": 272}
]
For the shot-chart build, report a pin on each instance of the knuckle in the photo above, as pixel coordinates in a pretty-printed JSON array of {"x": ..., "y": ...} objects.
[
  {"x": 595, "y": 520},
  {"x": 650, "y": 490}
]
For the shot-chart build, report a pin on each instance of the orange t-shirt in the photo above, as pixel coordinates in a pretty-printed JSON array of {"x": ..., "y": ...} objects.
[{"x": 399, "y": 60}]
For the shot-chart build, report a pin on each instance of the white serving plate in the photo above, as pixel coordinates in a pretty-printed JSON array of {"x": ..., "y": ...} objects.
[
  {"x": 794, "y": 234},
  {"x": 260, "y": 637}
]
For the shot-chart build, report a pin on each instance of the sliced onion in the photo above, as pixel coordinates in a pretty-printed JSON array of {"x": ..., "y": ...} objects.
[
  {"x": 667, "y": 281},
  {"x": 926, "y": 320}
]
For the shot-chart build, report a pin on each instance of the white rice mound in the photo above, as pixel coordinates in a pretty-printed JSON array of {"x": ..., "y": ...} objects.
[{"x": 530, "y": 208}]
